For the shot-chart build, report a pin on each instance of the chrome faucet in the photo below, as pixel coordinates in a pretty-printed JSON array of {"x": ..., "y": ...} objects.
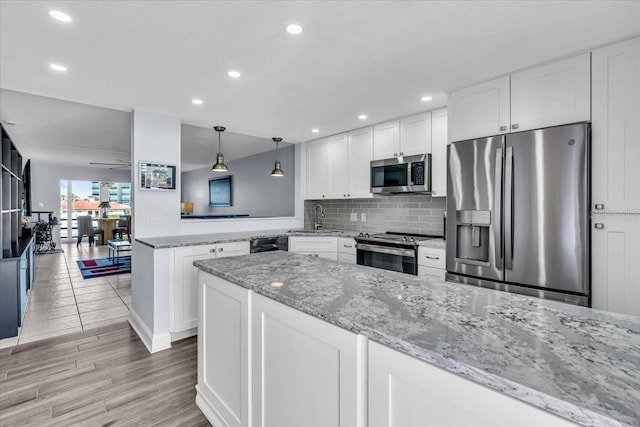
[{"x": 318, "y": 224}]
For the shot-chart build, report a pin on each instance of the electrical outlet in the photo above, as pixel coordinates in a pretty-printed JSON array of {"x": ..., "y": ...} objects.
[
  {"x": 354, "y": 216},
  {"x": 153, "y": 218},
  {"x": 364, "y": 217}
]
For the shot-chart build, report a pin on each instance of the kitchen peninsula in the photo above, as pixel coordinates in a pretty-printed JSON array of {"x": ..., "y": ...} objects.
[{"x": 327, "y": 343}]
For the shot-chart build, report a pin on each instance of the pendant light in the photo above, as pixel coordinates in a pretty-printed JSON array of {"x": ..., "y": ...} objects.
[
  {"x": 219, "y": 166},
  {"x": 277, "y": 170}
]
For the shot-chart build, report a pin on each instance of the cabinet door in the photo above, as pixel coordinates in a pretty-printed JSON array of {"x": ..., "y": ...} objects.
[
  {"x": 415, "y": 134},
  {"x": 316, "y": 169},
  {"x": 223, "y": 352},
  {"x": 431, "y": 273},
  {"x": 480, "y": 110},
  {"x": 225, "y": 250},
  {"x": 305, "y": 370},
  {"x": 615, "y": 268},
  {"x": 337, "y": 166},
  {"x": 439, "y": 153},
  {"x": 553, "y": 94},
  {"x": 184, "y": 303},
  {"x": 616, "y": 127},
  {"x": 313, "y": 244},
  {"x": 360, "y": 156},
  {"x": 386, "y": 140},
  {"x": 406, "y": 392}
]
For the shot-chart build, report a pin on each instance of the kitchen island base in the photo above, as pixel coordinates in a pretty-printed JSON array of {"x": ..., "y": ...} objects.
[{"x": 262, "y": 363}]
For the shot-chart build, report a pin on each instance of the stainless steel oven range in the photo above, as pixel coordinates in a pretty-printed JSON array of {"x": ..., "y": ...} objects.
[{"x": 390, "y": 251}]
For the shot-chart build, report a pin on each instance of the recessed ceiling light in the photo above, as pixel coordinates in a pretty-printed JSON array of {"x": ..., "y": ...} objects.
[
  {"x": 60, "y": 16},
  {"x": 197, "y": 101},
  {"x": 362, "y": 117},
  {"x": 57, "y": 67},
  {"x": 294, "y": 29},
  {"x": 234, "y": 74},
  {"x": 315, "y": 130},
  {"x": 426, "y": 98}
]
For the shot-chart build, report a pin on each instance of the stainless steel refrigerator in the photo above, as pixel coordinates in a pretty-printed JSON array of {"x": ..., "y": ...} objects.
[{"x": 518, "y": 213}]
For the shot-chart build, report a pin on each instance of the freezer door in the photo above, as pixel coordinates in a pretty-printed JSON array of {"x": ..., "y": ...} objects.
[
  {"x": 474, "y": 206},
  {"x": 547, "y": 208}
]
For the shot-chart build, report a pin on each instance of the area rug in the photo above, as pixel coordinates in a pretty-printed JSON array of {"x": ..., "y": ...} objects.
[{"x": 91, "y": 268}]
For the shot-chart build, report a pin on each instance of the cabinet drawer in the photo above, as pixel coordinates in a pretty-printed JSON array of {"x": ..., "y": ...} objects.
[
  {"x": 347, "y": 258},
  {"x": 346, "y": 246},
  {"x": 434, "y": 258},
  {"x": 431, "y": 273},
  {"x": 313, "y": 244},
  {"x": 225, "y": 250},
  {"x": 333, "y": 256}
]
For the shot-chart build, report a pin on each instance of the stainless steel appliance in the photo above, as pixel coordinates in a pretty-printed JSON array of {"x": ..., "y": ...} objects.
[
  {"x": 390, "y": 251},
  {"x": 266, "y": 244},
  {"x": 404, "y": 174},
  {"x": 518, "y": 213}
]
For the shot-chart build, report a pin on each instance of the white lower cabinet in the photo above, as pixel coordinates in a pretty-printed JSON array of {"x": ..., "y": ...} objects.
[
  {"x": 406, "y": 392},
  {"x": 223, "y": 352},
  {"x": 304, "y": 369},
  {"x": 183, "y": 318},
  {"x": 347, "y": 250},
  {"x": 341, "y": 249},
  {"x": 431, "y": 263}
]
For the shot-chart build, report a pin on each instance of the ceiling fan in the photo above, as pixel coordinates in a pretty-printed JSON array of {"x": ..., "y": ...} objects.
[{"x": 120, "y": 164}]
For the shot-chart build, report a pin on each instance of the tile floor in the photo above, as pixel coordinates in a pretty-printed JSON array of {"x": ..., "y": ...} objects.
[{"x": 61, "y": 301}]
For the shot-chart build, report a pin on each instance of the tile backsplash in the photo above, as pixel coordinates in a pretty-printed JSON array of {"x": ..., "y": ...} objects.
[{"x": 415, "y": 213}]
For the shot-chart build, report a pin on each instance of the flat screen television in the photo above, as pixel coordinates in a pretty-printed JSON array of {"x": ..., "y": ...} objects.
[{"x": 220, "y": 191}]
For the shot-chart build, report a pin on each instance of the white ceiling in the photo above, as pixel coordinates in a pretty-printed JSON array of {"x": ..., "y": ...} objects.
[{"x": 356, "y": 57}]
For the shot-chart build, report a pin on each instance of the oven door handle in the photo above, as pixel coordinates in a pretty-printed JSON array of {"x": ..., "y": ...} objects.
[{"x": 386, "y": 250}]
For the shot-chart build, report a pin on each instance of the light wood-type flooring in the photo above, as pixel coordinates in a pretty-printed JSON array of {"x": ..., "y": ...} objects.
[{"x": 101, "y": 377}]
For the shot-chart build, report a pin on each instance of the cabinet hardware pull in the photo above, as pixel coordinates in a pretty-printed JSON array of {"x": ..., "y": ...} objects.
[
  {"x": 220, "y": 249},
  {"x": 348, "y": 195},
  {"x": 212, "y": 250},
  {"x": 344, "y": 195},
  {"x": 401, "y": 153},
  {"x": 348, "y": 246},
  {"x": 432, "y": 257},
  {"x": 434, "y": 192},
  {"x": 514, "y": 126},
  {"x": 599, "y": 225},
  {"x": 395, "y": 154},
  {"x": 503, "y": 128},
  {"x": 599, "y": 206}
]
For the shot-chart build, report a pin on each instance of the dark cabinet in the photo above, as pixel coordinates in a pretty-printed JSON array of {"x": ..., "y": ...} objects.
[{"x": 17, "y": 259}]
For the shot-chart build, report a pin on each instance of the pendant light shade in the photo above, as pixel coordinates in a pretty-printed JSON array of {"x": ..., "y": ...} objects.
[
  {"x": 219, "y": 166},
  {"x": 277, "y": 170}
]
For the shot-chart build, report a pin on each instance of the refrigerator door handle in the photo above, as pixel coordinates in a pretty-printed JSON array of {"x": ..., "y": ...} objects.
[
  {"x": 497, "y": 209},
  {"x": 508, "y": 209}
]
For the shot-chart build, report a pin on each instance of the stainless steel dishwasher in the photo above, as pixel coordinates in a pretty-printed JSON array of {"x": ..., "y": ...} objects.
[{"x": 266, "y": 244}]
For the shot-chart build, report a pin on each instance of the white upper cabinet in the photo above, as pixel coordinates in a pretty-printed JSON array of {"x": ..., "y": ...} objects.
[
  {"x": 317, "y": 169},
  {"x": 616, "y": 127},
  {"x": 439, "y": 153},
  {"x": 415, "y": 134},
  {"x": 480, "y": 110},
  {"x": 553, "y": 94},
  {"x": 337, "y": 166},
  {"x": 360, "y": 156},
  {"x": 386, "y": 140},
  {"x": 549, "y": 95}
]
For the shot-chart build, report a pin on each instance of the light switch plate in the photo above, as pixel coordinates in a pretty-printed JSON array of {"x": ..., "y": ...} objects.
[
  {"x": 364, "y": 217},
  {"x": 354, "y": 216}
]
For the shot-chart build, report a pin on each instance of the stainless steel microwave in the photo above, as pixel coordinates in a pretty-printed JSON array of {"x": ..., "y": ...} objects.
[{"x": 404, "y": 174}]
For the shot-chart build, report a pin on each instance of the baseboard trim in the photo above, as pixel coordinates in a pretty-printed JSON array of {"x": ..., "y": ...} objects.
[
  {"x": 154, "y": 343},
  {"x": 208, "y": 410},
  {"x": 175, "y": 336}
]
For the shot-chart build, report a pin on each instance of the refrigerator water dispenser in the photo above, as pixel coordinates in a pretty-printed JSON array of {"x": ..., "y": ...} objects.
[{"x": 472, "y": 237}]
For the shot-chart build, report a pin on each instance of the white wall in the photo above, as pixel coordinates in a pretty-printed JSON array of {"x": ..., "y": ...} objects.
[
  {"x": 154, "y": 138},
  {"x": 45, "y": 181}
]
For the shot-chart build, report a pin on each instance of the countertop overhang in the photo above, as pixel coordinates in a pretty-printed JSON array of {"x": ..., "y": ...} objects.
[{"x": 581, "y": 364}]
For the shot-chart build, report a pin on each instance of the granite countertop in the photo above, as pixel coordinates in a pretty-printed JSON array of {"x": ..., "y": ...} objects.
[
  {"x": 214, "y": 238},
  {"x": 579, "y": 363}
]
